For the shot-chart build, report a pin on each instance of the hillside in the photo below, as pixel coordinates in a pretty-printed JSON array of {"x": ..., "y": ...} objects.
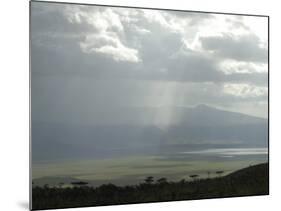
[
  {"x": 254, "y": 178},
  {"x": 245, "y": 182}
]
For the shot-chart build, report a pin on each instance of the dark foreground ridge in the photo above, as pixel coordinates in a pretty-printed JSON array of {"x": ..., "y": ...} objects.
[{"x": 249, "y": 181}]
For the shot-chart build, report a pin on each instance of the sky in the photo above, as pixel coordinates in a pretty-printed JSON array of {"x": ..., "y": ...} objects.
[{"x": 89, "y": 60}]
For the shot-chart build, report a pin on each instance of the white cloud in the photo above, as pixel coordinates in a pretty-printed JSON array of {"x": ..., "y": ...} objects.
[
  {"x": 106, "y": 36},
  {"x": 119, "y": 53},
  {"x": 140, "y": 30},
  {"x": 110, "y": 45},
  {"x": 244, "y": 90},
  {"x": 229, "y": 66},
  {"x": 165, "y": 20},
  {"x": 102, "y": 20},
  {"x": 221, "y": 25}
]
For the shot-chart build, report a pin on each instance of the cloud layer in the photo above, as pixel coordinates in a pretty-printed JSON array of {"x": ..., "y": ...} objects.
[{"x": 87, "y": 58}]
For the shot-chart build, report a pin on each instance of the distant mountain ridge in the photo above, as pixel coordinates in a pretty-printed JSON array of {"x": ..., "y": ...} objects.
[
  {"x": 206, "y": 115},
  {"x": 139, "y": 129}
]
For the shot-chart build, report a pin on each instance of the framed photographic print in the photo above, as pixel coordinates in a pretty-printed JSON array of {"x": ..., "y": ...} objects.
[{"x": 136, "y": 105}]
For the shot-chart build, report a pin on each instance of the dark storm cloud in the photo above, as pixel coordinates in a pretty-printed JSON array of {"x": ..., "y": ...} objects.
[
  {"x": 52, "y": 20},
  {"x": 242, "y": 48},
  {"x": 65, "y": 58},
  {"x": 56, "y": 44}
]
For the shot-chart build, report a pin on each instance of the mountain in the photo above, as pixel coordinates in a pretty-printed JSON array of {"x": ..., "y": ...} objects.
[
  {"x": 203, "y": 115},
  {"x": 144, "y": 130},
  {"x": 206, "y": 123}
]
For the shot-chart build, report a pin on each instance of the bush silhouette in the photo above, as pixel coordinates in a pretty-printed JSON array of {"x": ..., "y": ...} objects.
[
  {"x": 149, "y": 180},
  {"x": 194, "y": 176},
  {"x": 162, "y": 180}
]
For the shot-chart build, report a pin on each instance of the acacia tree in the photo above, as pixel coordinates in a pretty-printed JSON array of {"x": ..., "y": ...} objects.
[
  {"x": 149, "y": 180},
  {"x": 46, "y": 186},
  {"x": 194, "y": 176},
  {"x": 80, "y": 184},
  {"x": 162, "y": 180}
]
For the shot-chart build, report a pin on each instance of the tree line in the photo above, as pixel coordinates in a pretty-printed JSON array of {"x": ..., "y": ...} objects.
[{"x": 150, "y": 190}]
